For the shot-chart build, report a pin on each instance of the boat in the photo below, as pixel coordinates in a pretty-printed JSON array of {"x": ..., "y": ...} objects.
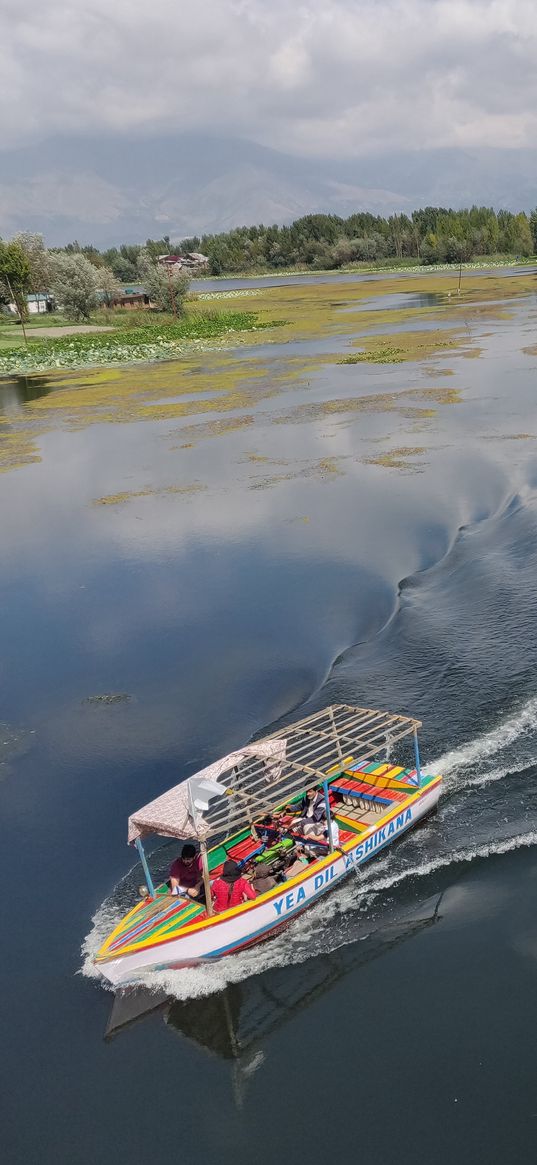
[{"x": 343, "y": 751}]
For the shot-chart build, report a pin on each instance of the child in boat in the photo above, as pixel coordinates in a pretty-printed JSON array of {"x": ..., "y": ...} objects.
[
  {"x": 261, "y": 878},
  {"x": 230, "y": 889}
]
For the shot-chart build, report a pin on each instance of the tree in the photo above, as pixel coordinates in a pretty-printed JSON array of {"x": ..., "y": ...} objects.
[
  {"x": 75, "y": 282},
  {"x": 38, "y": 259},
  {"x": 109, "y": 286},
  {"x": 533, "y": 228},
  {"x": 15, "y": 276},
  {"x": 167, "y": 288}
]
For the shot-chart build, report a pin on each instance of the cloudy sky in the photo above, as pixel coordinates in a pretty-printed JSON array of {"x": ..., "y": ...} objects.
[{"x": 317, "y": 78}]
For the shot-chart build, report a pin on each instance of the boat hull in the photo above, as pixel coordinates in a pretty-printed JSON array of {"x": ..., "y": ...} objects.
[{"x": 227, "y": 933}]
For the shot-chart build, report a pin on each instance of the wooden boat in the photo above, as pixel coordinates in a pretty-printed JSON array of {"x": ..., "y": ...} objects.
[{"x": 372, "y": 801}]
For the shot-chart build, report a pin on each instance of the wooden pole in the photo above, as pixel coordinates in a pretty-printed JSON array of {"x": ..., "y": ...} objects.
[
  {"x": 11, "y": 292},
  {"x": 206, "y": 878},
  {"x": 172, "y": 291}
]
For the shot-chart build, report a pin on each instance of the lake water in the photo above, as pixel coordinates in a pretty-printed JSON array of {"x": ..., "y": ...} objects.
[{"x": 362, "y": 533}]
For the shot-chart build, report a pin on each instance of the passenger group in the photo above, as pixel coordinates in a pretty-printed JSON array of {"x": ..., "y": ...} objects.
[{"x": 282, "y": 856}]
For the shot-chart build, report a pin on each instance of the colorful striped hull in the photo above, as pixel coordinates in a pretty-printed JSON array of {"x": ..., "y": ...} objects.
[{"x": 184, "y": 936}]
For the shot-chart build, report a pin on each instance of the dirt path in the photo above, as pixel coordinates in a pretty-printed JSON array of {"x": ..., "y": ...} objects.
[{"x": 69, "y": 330}]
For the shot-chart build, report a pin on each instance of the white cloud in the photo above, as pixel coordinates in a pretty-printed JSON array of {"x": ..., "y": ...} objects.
[{"x": 336, "y": 77}]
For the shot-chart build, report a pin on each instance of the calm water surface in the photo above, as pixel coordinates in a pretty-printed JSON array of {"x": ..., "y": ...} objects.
[{"x": 381, "y": 551}]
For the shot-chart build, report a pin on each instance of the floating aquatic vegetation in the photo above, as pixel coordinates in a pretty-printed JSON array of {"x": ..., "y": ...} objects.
[
  {"x": 377, "y": 356},
  {"x": 400, "y": 458},
  {"x": 150, "y": 491},
  {"x": 14, "y": 742},
  {"x": 109, "y": 698},
  {"x": 326, "y": 469}
]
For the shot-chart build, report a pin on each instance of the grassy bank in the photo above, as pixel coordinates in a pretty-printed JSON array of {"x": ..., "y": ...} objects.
[{"x": 158, "y": 339}]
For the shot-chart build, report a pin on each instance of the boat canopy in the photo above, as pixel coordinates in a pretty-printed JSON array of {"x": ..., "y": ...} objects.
[{"x": 269, "y": 772}]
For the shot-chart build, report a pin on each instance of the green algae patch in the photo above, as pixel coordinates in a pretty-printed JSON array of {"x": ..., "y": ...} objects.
[
  {"x": 17, "y": 449},
  {"x": 401, "y": 458},
  {"x": 324, "y": 469},
  {"x": 409, "y": 346},
  {"x": 375, "y": 356},
  {"x": 150, "y": 491}
]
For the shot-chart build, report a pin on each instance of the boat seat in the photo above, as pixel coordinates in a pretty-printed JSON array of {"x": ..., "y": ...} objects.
[{"x": 351, "y": 787}]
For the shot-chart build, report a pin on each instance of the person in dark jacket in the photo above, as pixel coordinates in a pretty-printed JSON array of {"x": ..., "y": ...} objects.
[{"x": 311, "y": 811}]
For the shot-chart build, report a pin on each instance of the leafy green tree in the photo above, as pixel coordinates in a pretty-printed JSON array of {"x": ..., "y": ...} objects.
[
  {"x": 109, "y": 286},
  {"x": 167, "y": 288},
  {"x": 75, "y": 282},
  {"x": 15, "y": 276},
  {"x": 38, "y": 259},
  {"x": 533, "y": 228}
]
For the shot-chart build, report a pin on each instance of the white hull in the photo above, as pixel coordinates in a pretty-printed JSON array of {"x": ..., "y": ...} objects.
[{"x": 227, "y": 933}]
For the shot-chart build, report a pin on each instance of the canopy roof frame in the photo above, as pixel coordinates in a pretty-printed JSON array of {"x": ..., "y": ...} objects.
[{"x": 269, "y": 775}]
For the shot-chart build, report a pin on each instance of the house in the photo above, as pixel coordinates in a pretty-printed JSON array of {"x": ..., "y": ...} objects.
[
  {"x": 36, "y": 304},
  {"x": 192, "y": 261}
]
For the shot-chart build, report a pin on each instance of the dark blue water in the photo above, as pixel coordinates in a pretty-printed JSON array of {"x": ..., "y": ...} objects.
[{"x": 399, "y": 1014}]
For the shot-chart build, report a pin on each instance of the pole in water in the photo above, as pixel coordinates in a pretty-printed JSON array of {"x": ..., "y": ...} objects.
[
  {"x": 145, "y": 867},
  {"x": 417, "y": 757}
]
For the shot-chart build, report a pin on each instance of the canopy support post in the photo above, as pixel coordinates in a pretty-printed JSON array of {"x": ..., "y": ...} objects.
[
  {"x": 206, "y": 878},
  {"x": 338, "y": 742},
  {"x": 417, "y": 757},
  {"x": 328, "y": 816},
  {"x": 145, "y": 867}
]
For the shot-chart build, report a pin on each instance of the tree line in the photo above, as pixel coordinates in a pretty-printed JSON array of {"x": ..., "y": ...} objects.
[{"x": 326, "y": 241}]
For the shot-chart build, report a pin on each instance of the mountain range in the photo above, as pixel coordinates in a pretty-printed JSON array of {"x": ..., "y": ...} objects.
[{"x": 107, "y": 191}]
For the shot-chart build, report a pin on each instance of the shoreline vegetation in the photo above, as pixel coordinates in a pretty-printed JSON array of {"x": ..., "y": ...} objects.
[
  {"x": 131, "y": 336},
  {"x": 156, "y": 339}
]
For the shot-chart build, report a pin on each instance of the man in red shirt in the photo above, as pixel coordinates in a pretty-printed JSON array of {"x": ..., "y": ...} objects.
[{"x": 186, "y": 873}]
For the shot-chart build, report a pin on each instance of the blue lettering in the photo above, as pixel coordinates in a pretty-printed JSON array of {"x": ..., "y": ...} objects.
[
  {"x": 391, "y": 829},
  {"x": 301, "y": 894},
  {"x": 331, "y": 873},
  {"x": 289, "y": 899},
  {"x": 278, "y": 906},
  {"x": 369, "y": 845},
  {"x": 349, "y": 860},
  {"x": 319, "y": 879},
  {"x": 359, "y": 852},
  {"x": 400, "y": 821},
  {"x": 408, "y": 816},
  {"x": 381, "y": 835}
]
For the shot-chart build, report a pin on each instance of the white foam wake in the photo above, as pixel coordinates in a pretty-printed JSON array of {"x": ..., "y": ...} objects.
[
  {"x": 485, "y": 850},
  {"x": 490, "y": 743},
  {"x": 308, "y": 936}
]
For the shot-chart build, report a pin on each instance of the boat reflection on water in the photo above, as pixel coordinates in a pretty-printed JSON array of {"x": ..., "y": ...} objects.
[{"x": 235, "y": 1022}]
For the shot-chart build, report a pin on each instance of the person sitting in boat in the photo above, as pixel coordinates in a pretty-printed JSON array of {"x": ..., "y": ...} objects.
[
  {"x": 319, "y": 834},
  {"x": 230, "y": 889},
  {"x": 186, "y": 873},
  {"x": 298, "y": 860},
  {"x": 311, "y": 812},
  {"x": 269, "y": 831},
  {"x": 261, "y": 878}
]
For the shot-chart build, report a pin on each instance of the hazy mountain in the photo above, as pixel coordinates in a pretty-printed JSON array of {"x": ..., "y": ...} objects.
[{"x": 108, "y": 191}]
